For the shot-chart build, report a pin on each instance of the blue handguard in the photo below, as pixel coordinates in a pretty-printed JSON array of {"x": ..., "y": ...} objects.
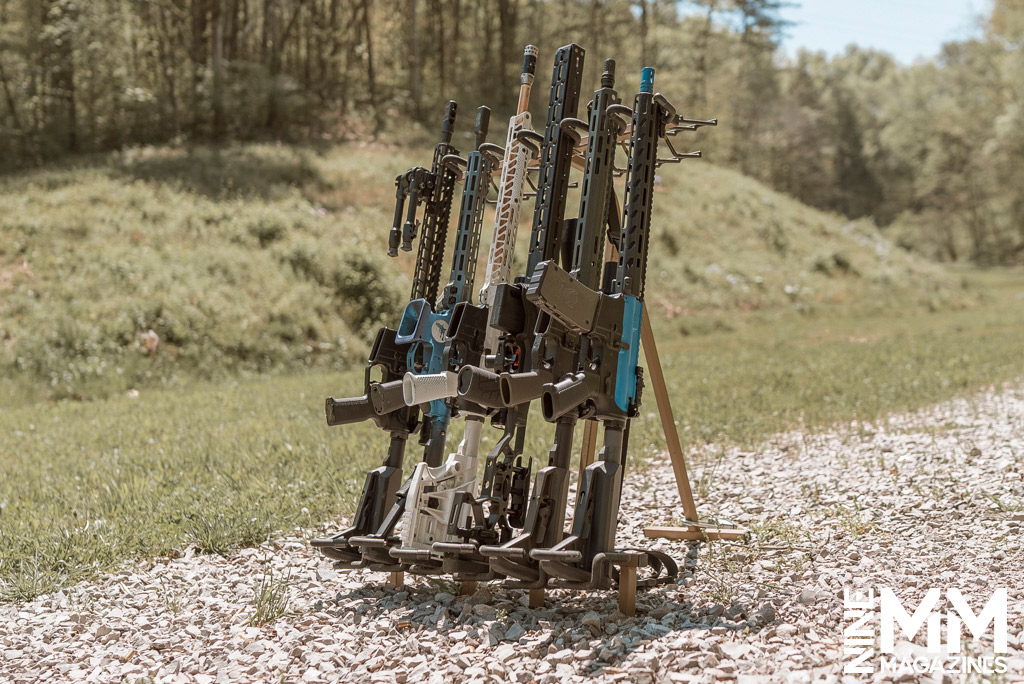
[{"x": 629, "y": 354}]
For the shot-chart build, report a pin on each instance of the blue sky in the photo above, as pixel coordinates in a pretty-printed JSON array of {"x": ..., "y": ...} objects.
[{"x": 907, "y": 29}]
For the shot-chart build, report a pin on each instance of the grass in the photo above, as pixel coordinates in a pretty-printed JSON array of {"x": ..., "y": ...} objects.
[
  {"x": 256, "y": 259},
  {"x": 86, "y": 485},
  {"x": 218, "y": 252},
  {"x": 782, "y": 369},
  {"x": 250, "y": 264},
  {"x": 270, "y": 598}
]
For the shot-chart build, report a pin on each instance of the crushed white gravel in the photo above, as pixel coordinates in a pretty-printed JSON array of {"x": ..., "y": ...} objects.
[{"x": 932, "y": 498}]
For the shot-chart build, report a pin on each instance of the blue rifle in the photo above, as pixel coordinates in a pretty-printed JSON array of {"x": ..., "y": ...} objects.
[
  {"x": 424, "y": 329},
  {"x": 607, "y": 383},
  {"x": 433, "y": 190}
]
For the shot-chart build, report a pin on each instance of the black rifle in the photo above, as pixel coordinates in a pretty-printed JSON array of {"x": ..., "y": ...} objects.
[
  {"x": 525, "y": 352},
  {"x": 608, "y": 382},
  {"x": 381, "y": 487},
  {"x": 424, "y": 328}
]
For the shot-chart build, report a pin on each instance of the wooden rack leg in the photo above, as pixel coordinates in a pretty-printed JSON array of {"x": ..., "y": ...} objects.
[
  {"x": 668, "y": 423},
  {"x": 396, "y": 579},
  {"x": 536, "y": 598},
  {"x": 675, "y": 450},
  {"x": 627, "y": 590},
  {"x": 467, "y": 588}
]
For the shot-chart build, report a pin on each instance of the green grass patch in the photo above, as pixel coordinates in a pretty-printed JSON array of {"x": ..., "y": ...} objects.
[
  {"x": 84, "y": 486},
  {"x": 777, "y": 370},
  {"x": 256, "y": 259}
]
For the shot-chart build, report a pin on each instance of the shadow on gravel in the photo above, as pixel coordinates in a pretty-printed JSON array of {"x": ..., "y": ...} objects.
[{"x": 570, "y": 621}]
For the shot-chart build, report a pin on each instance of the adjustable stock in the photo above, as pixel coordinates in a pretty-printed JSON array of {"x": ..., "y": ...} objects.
[
  {"x": 386, "y": 397},
  {"x": 521, "y": 388}
]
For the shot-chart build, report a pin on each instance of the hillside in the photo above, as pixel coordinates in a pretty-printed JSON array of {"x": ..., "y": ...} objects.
[{"x": 265, "y": 258}]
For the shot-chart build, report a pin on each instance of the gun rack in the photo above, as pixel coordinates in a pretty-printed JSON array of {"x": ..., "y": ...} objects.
[
  {"x": 534, "y": 330},
  {"x": 692, "y": 530}
]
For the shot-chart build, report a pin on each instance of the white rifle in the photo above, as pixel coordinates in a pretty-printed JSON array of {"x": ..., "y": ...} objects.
[{"x": 433, "y": 491}]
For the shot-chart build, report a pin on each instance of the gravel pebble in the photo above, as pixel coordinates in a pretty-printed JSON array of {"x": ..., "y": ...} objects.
[{"x": 864, "y": 504}]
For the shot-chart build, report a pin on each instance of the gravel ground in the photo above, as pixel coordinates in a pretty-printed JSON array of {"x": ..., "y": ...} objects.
[{"x": 930, "y": 498}]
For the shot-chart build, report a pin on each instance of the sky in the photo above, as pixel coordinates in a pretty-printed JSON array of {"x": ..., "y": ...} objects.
[{"x": 907, "y": 29}]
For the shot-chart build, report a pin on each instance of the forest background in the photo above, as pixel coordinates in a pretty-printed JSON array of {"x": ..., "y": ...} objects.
[{"x": 933, "y": 151}]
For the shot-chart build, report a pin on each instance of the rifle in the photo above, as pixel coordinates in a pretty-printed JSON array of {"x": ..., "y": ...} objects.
[
  {"x": 433, "y": 485},
  {"x": 470, "y": 341},
  {"x": 607, "y": 384},
  {"x": 433, "y": 190},
  {"x": 524, "y": 330}
]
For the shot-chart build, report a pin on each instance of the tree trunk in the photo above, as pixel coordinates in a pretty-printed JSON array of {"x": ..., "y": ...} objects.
[
  {"x": 198, "y": 56},
  {"x": 644, "y": 56},
  {"x": 415, "y": 63},
  {"x": 11, "y": 106},
  {"x": 439, "y": 39},
  {"x": 165, "y": 53},
  {"x": 702, "y": 48},
  {"x": 218, "y": 70},
  {"x": 231, "y": 31},
  {"x": 456, "y": 14},
  {"x": 371, "y": 77},
  {"x": 507, "y": 57}
]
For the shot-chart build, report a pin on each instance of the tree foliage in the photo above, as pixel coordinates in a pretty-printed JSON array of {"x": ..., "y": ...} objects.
[{"x": 934, "y": 149}]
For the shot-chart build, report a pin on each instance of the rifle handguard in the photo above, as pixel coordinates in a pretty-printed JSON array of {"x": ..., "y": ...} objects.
[
  {"x": 386, "y": 397},
  {"x": 427, "y": 387},
  {"x": 480, "y": 387},
  {"x": 349, "y": 410},
  {"x": 519, "y": 388}
]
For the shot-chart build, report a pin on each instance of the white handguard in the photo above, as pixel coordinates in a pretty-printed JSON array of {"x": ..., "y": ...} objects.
[
  {"x": 506, "y": 214},
  {"x": 432, "y": 492}
]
